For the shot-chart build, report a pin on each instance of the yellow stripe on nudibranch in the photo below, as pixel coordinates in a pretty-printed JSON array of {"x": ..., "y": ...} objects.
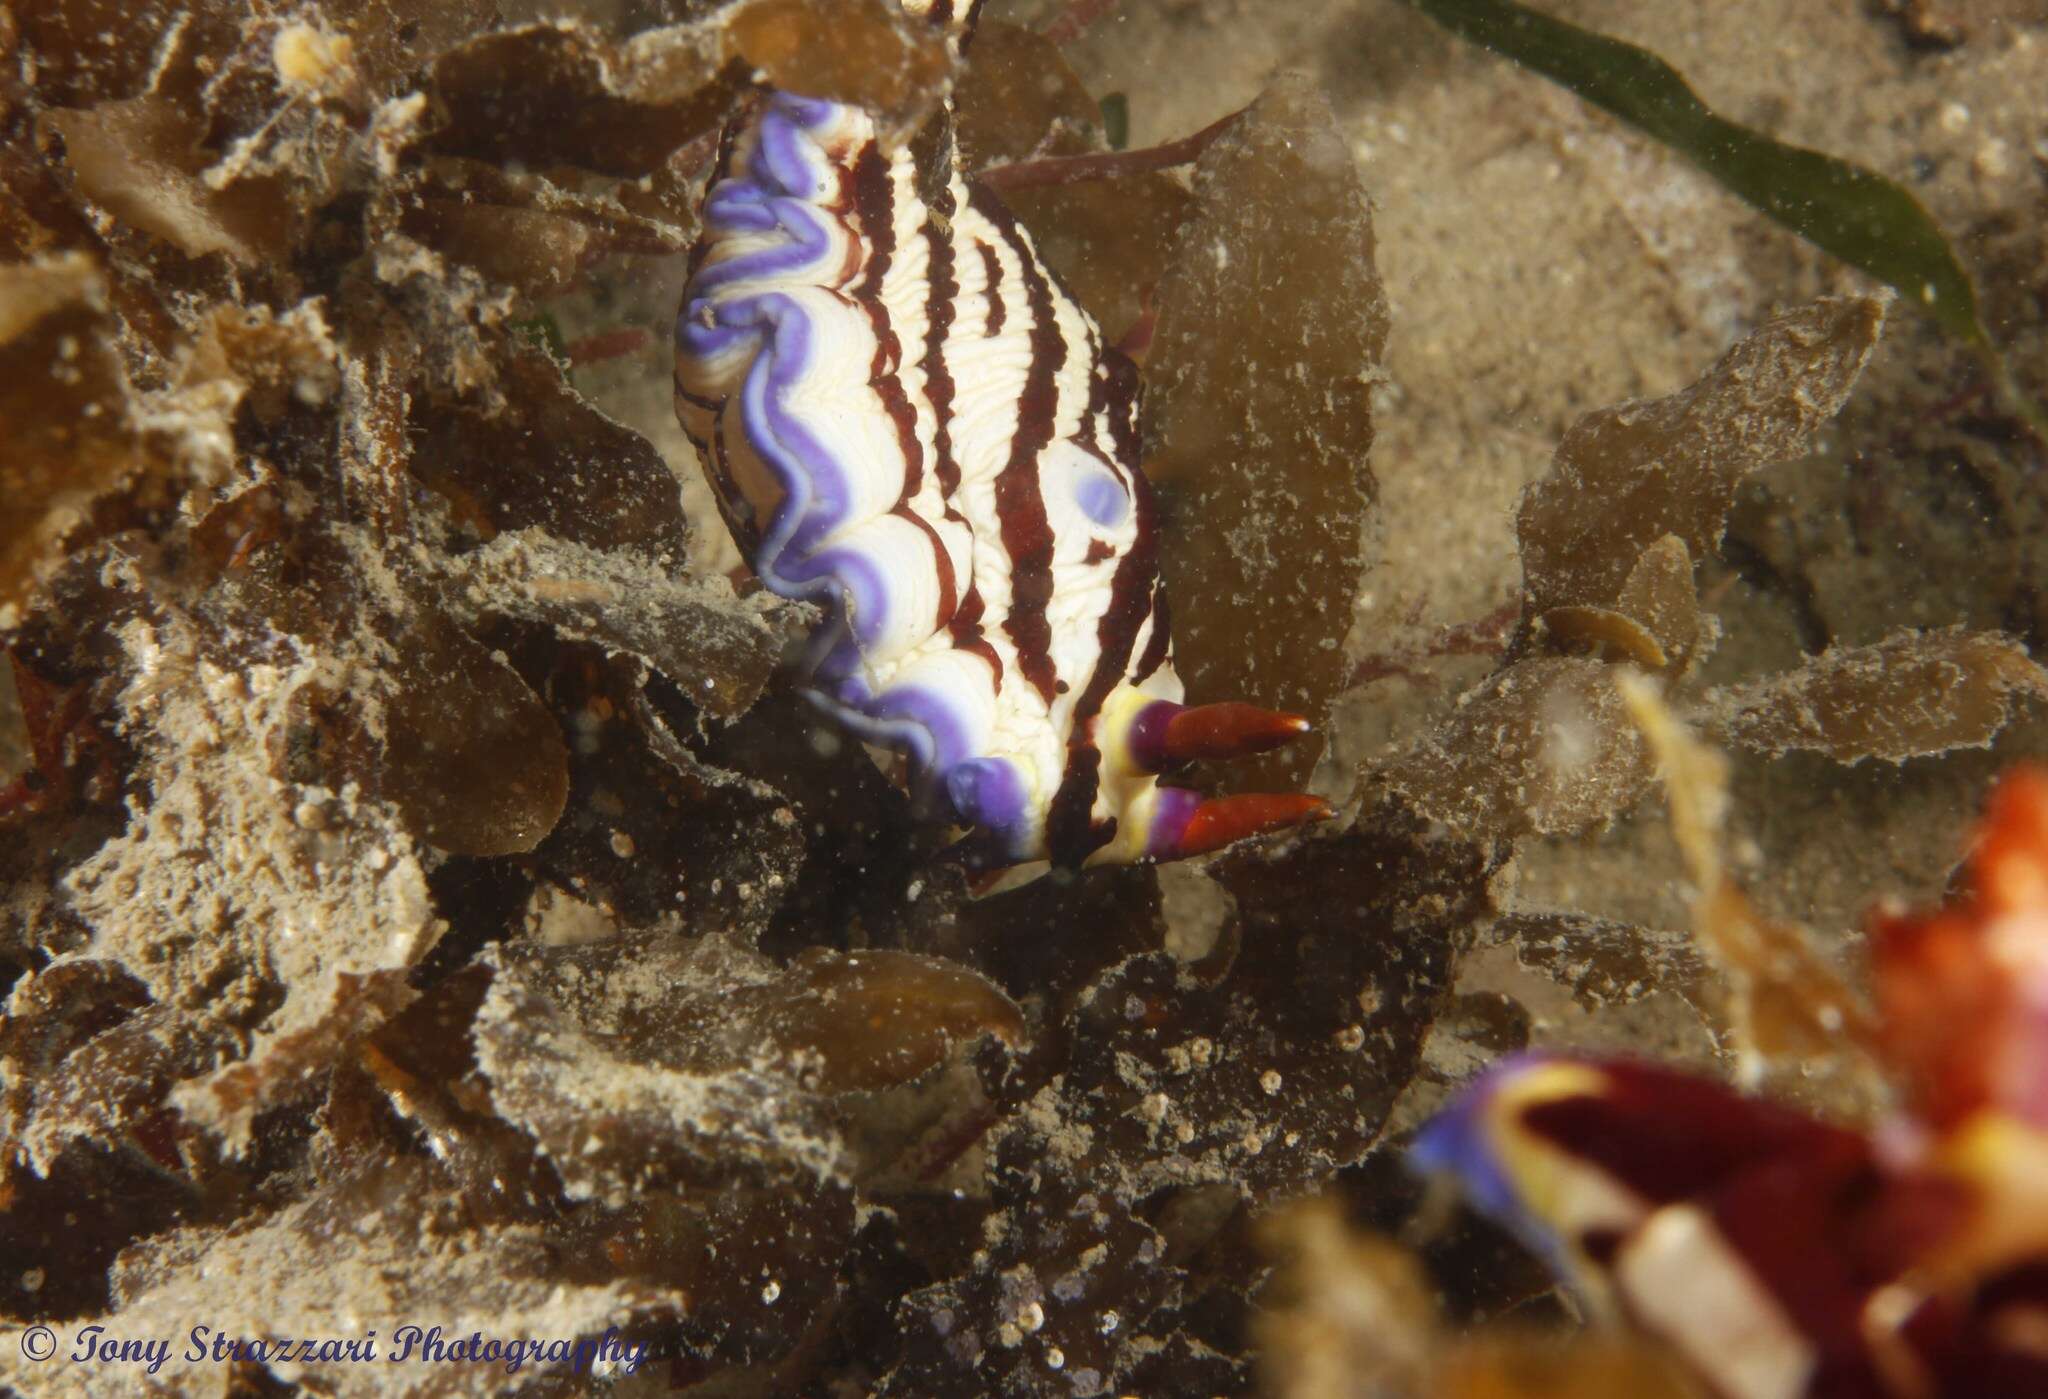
[{"x": 1564, "y": 1193}]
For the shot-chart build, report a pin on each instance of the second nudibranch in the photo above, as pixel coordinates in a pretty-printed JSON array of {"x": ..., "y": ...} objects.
[{"x": 908, "y": 420}]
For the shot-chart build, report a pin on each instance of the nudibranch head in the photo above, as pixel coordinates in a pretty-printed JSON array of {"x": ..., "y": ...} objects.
[{"x": 906, "y": 419}]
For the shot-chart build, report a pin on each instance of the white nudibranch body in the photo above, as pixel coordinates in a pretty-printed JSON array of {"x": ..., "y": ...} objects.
[{"x": 907, "y": 419}]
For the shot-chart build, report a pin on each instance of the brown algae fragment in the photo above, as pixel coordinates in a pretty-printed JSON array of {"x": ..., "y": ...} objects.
[
  {"x": 870, "y": 1020},
  {"x": 63, "y": 396},
  {"x": 1272, "y": 323},
  {"x": 722, "y": 649},
  {"x": 1655, "y": 623},
  {"x": 548, "y": 95},
  {"x": 592, "y": 1053},
  {"x": 526, "y": 231},
  {"x": 866, "y": 52},
  {"x": 1626, "y": 477},
  {"x": 1018, "y": 98},
  {"x": 1912, "y": 694},
  {"x": 1183, "y": 1089},
  {"x": 1660, "y": 596},
  {"x": 1634, "y": 496},
  {"x": 142, "y": 160},
  {"x": 1592, "y": 984},
  {"x": 535, "y": 453},
  {"x": 473, "y": 761}
]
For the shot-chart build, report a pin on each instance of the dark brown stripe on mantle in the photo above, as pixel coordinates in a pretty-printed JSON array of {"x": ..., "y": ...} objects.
[
  {"x": 942, "y": 293},
  {"x": 967, "y": 633},
  {"x": 1157, "y": 644},
  {"x": 1020, "y": 508},
  {"x": 874, "y": 203},
  {"x": 992, "y": 276},
  {"x": 1121, "y": 406},
  {"x": 746, "y": 531},
  {"x": 942, "y": 563}
]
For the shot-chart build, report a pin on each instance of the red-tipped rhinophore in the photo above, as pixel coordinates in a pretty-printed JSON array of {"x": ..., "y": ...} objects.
[
  {"x": 1167, "y": 733},
  {"x": 1222, "y": 821}
]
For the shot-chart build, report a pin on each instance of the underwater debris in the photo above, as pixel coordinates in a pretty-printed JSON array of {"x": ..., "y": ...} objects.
[{"x": 65, "y": 396}]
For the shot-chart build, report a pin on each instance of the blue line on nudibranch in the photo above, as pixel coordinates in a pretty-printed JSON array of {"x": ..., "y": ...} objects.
[{"x": 908, "y": 420}]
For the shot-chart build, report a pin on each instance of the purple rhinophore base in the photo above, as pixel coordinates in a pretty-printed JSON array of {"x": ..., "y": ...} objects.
[
  {"x": 1146, "y": 739},
  {"x": 1171, "y": 813}
]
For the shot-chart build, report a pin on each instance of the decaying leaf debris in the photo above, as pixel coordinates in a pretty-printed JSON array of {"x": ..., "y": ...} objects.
[{"x": 423, "y": 897}]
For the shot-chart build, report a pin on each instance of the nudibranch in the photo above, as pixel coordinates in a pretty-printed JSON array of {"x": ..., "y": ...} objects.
[
  {"x": 1781, "y": 1257},
  {"x": 1723, "y": 1226},
  {"x": 907, "y": 419}
]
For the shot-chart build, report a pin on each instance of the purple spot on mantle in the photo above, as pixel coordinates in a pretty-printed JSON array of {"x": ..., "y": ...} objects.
[{"x": 1102, "y": 498}]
